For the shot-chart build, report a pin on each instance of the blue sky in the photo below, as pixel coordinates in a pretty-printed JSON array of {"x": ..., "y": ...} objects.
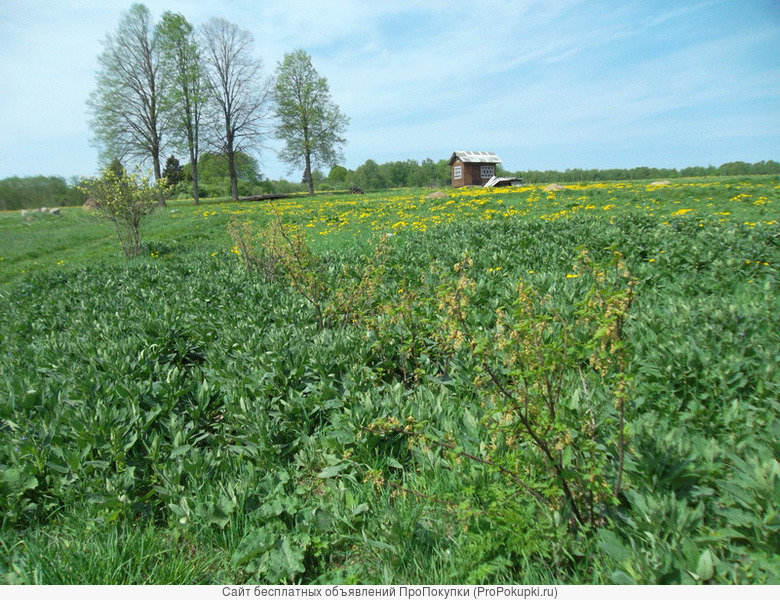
[{"x": 546, "y": 84}]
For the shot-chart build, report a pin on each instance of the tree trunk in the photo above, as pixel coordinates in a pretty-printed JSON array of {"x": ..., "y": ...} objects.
[
  {"x": 307, "y": 175},
  {"x": 195, "y": 190},
  {"x": 194, "y": 164},
  {"x": 231, "y": 156},
  {"x": 233, "y": 185},
  {"x": 192, "y": 146},
  {"x": 158, "y": 174}
]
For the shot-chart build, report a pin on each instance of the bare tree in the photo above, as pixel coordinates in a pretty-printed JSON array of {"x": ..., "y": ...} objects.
[
  {"x": 238, "y": 92},
  {"x": 128, "y": 122}
]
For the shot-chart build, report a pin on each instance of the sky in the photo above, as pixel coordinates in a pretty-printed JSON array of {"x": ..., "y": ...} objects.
[{"x": 545, "y": 84}]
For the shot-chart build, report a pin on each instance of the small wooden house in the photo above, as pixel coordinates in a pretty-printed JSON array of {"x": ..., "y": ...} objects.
[{"x": 473, "y": 168}]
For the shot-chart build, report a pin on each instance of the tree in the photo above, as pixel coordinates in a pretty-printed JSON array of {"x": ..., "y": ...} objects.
[
  {"x": 338, "y": 174},
  {"x": 238, "y": 93},
  {"x": 370, "y": 176},
  {"x": 128, "y": 120},
  {"x": 116, "y": 167},
  {"x": 173, "y": 172},
  {"x": 186, "y": 91},
  {"x": 308, "y": 121},
  {"x": 215, "y": 166},
  {"x": 125, "y": 199}
]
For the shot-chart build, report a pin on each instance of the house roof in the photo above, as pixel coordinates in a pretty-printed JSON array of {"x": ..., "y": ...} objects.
[{"x": 475, "y": 157}]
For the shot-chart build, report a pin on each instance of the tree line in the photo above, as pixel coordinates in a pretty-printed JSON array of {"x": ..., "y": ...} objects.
[
  {"x": 410, "y": 173},
  {"x": 429, "y": 173},
  {"x": 171, "y": 87},
  {"x": 32, "y": 192},
  {"x": 769, "y": 167}
]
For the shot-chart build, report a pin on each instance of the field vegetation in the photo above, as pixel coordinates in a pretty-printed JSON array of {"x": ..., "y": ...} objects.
[
  {"x": 214, "y": 179},
  {"x": 501, "y": 385}
]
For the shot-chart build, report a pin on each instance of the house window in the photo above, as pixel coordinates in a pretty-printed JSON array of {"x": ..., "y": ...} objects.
[
  {"x": 487, "y": 171},
  {"x": 457, "y": 173}
]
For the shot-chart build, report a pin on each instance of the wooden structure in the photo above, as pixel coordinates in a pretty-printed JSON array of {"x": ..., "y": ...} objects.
[
  {"x": 473, "y": 168},
  {"x": 504, "y": 182}
]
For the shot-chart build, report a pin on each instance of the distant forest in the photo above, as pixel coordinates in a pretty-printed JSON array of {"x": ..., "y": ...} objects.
[
  {"x": 32, "y": 192},
  {"x": 410, "y": 173}
]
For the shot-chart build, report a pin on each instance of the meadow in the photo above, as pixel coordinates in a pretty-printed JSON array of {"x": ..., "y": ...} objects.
[{"x": 499, "y": 386}]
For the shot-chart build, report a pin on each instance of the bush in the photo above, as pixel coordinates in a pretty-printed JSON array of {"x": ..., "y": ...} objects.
[{"x": 126, "y": 200}]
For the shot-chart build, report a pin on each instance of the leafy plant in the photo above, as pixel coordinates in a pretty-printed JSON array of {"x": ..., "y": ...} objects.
[
  {"x": 125, "y": 200},
  {"x": 556, "y": 386},
  {"x": 206, "y": 428}
]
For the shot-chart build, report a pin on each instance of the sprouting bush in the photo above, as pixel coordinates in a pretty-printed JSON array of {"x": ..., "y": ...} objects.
[{"x": 125, "y": 199}]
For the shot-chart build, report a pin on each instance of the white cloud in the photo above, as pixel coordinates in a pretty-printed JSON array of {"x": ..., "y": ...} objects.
[{"x": 421, "y": 79}]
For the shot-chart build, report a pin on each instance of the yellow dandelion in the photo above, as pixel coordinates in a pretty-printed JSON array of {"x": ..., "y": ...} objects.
[{"x": 681, "y": 212}]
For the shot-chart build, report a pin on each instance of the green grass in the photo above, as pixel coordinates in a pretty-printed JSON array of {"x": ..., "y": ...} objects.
[
  {"x": 175, "y": 418},
  {"x": 89, "y": 550},
  {"x": 332, "y": 221}
]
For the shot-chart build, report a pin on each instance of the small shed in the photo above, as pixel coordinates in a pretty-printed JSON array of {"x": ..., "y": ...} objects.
[{"x": 473, "y": 168}]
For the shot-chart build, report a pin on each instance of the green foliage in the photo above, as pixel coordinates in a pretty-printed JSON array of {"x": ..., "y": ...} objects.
[
  {"x": 400, "y": 174},
  {"x": 172, "y": 173},
  {"x": 126, "y": 200},
  {"x": 308, "y": 120},
  {"x": 237, "y": 434},
  {"x": 337, "y": 175},
  {"x": 555, "y": 382},
  {"x": 409, "y": 173},
  {"x": 35, "y": 192},
  {"x": 185, "y": 94},
  {"x": 282, "y": 255},
  {"x": 214, "y": 175},
  {"x": 214, "y": 167},
  {"x": 578, "y": 175},
  {"x": 116, "y": 168}
]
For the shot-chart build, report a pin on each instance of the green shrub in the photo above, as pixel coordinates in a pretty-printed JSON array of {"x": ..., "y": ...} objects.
[{"x": 126, "y": 200}]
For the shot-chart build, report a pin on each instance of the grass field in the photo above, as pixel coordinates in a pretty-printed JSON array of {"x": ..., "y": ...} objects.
[{"x": 575, "y": 386}]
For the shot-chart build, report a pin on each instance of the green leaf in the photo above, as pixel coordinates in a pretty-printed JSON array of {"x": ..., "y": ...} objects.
[
  {"x": 16, "y": 481},
  {"x": 284, "y": 561},
  {"x": 612, "y": 546},
  {"x": 254, "y": 544},
  {"x": 180, "y": 450},
  {"x": 705, "y": 568},
  {"x": 725, "y": 533},
  {"x": 574, "y": 399},
  {"x": 332, "y": 471},
  {"x": 100, "y": 464},
  {"x": 566, "y": 456},
  {"x": 130, "y": 442},
  {"x": 359, "y": 509},
  {"x": 622, "y": 578}
]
